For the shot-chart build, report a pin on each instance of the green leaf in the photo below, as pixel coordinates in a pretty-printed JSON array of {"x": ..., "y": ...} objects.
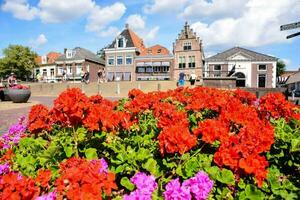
[
  {"x": 127, "y": 183},
  {"x": 91, "y": 153},
  {"x": 69, "y": 151},
  {"x": 295, "y": 145},
  {"x": 226, "y": 176},
  {"x": 152, "y": 167}
]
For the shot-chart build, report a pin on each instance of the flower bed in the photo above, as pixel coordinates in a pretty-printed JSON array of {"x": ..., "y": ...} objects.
[{"x": 184, "y": 144}]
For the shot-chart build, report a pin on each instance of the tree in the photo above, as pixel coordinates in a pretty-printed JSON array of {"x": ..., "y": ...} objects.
[
  {"x": 19, "y": 60},
  {"x": 280, "y": 68}
]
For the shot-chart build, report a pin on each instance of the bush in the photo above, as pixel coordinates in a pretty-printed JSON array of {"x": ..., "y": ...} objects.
[{"x": 196, "y": 143}]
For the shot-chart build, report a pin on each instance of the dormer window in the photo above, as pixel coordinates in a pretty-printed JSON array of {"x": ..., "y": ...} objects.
[
  {"x": 70, "y": 53},
  {"x": 149, "y": 51},
  {"x": 44, "y": 59},
  {"x": 121, "y": 42},
  {"x": 159, "y": 51}
]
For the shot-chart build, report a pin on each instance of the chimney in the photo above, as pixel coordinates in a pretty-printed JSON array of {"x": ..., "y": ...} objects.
[
  {"x": 126, "y": 26},
  {"x": 65, "y": 51}
]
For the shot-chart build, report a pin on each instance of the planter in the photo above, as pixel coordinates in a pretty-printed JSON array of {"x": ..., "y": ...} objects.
[
  {"x": 19, "y": 96},
  {"x": 4, "y": 95}
]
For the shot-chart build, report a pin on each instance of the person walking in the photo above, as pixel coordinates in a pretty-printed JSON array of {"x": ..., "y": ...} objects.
[
  {"x": 100, "y": 76},
  {"x": 181, "y": 80},
  {"x": 193, "y": 79}
]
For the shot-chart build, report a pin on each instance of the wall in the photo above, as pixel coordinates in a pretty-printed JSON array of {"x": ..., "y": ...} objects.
[{"x": 219, "y": 82}]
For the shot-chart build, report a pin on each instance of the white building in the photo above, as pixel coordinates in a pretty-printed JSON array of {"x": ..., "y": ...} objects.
[{"x": 251, "y": 69}]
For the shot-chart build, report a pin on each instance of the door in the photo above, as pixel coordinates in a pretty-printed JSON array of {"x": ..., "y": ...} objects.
[{"x": 262, "y": 80}]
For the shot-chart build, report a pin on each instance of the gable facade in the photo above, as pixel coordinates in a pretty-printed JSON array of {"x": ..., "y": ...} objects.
[{"x": 258, "y": 70}]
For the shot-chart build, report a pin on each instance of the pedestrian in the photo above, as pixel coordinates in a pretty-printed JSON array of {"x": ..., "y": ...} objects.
[
  {"x": 12, "y": 80},
  {"x": 100, "y": 76},
  {"x": 193, "y": 79},
  {"x": 181, "y": 79},
  {"x": 86, "y": 77},
  {"x": 64, "y": 74}
]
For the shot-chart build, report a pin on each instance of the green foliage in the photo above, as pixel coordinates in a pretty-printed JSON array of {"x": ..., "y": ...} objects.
[
  {"x": 286, "y": 149},
  {"x": 280, "y": 67},
  {"x": 19, "y": 60}
]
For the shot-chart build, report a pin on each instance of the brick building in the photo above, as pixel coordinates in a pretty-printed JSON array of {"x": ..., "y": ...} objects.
[
  {"x": 76, "y": 61},
  {"x": 154, "y": 63},
  {"x": 120, "y": 55},
  {"x": 188, "y": 54}
]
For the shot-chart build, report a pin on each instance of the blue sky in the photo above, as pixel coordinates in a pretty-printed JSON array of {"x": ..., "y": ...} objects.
[{"x": 52, "y": 25}]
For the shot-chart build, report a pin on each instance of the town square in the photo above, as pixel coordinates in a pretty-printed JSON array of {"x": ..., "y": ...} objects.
[{"x": 149, "y": 99}]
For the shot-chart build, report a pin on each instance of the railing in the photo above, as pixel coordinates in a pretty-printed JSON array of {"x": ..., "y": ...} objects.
[{"x": 219, "y": 73}]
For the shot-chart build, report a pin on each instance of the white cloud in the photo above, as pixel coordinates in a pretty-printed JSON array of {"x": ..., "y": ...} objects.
[
  {"x": 20, "y": 9},
  {"x": 286, "y": 61},
  {"x": 109, "y": 32},
  {"x": 164, "y": 6},
  {"x": 39, "y": 41},
  {"x": 99, "y": 17},
  {"x": 151, "y": 35},
  {"x": 258, "y": 26},
  {"x": 55, "y": 11},
  {"x": 136, "y": 22},
  {"x": 214, "y": 8}
]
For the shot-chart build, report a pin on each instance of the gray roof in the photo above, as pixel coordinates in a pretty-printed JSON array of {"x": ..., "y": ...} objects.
[
  {"x": 252, "y": 55},
  {"x": 82, "y": 54},
  {"x": 294, "y": 78},
  {"x": 125, "y": 33}
]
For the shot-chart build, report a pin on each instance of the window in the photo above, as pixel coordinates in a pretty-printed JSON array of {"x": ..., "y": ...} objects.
[
  {"x": 262, "y": 67},
  {"x": 129, "y": 60},
  {"x": 192, "y": 62},
  {"x": 187, "y": 46},
  {"x": 149, "y": 52},
  {"x": 78, "y": 69},
  {"x": 51, "y": 72},
  {"x": 141, "y": 69},
  {"x": 37, "y": 71},
  {"x": 261, "y": 80},
  {"x": 44, "y": 72},
  {"x": 181, "y": 62},
  {"x": 159, "y": 51},
  {"x": 111, "y": 60},
  {"x": 110, "y": 76},
  {"x": 127, "y": 76},
  {"x": 60, "y": 70},
  {"x": 69, "y": 53},
  {"x": 149, "y": 69},
  {"x": 69, "y": 69},
  {"x": 120, "y": 60},
  {"x": 217, "y": 67},
  {"x": 120, "y": 42}
]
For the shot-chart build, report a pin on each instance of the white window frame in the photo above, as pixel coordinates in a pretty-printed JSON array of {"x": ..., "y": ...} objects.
[
  {"x": 114, "y": 60},
  {"x": 187, "y": 44},
  {"x": 129, "y": 56},
  {"x": 120, "y": 56},
  {"x": 262, "y": 70}
]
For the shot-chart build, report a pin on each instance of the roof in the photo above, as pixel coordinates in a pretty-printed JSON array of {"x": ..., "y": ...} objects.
[
  {"x": 154, "y": 51},
  {"x": 294, "y": 78},
  {"x": 51, "y": 58},
  {"x": 252, "y": 55},
  {"x": 133, "y": 40},
  {"x": 82, "y": 54}
]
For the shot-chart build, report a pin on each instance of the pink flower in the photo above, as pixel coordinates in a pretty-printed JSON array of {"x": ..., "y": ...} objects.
[
  {"x": 174, "y": 191},
  {"x": 199, "y": 186}
]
